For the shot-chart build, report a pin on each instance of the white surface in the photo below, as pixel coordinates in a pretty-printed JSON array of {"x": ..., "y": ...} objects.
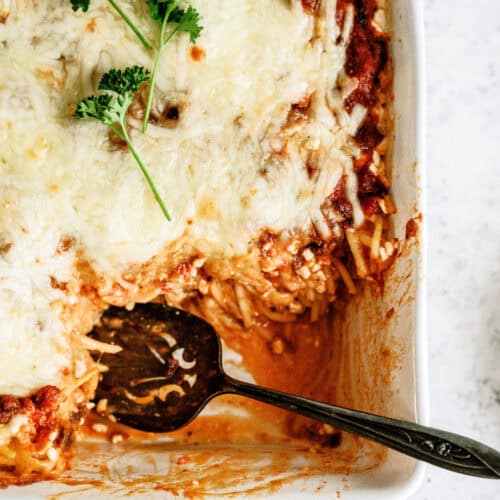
[{"x": 463, "y": 47}]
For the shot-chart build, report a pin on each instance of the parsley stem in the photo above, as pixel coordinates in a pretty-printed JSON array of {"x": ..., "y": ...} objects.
[
  {"x": 131, "y": 25},
  {"x": 124, "y": 135},
  {"x": 154, "y": 72}
]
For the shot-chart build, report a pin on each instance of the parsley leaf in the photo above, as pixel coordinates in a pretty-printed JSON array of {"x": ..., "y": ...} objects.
[
  {"x": 93, "y": 106},
  {"x": 111, "y": 107},
  {"x": 80, "y": 4},
  {"x": 158, "y": 10},
  {"x": 182, "y": 20},
  {"x": 128, "y": 80},
  {"x": 165, "y": 13},
  {"x": 189, "y": 22}
]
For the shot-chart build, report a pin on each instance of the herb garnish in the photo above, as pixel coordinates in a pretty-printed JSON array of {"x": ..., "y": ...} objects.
[
  {"x": 164, "y": 12},
  {"x": 84, "y": 6},
  {"x": 80, "y": 4},
  {"x": 111, "y": 107},
  {"x": 169, "y": 12}
]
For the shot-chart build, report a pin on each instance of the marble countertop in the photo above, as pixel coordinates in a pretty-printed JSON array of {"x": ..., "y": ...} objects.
[{"x": 463, "y": 134}]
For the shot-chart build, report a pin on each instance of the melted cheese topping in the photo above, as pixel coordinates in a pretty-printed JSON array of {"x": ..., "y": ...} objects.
[{"x": 230, "y": 168}]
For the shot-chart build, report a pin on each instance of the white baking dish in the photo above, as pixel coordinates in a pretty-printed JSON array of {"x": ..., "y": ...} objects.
[{"x": 152, "y": 470}]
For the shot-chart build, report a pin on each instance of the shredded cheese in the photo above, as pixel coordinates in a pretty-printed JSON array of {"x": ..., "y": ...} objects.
[{"x": 227, "y": 169}]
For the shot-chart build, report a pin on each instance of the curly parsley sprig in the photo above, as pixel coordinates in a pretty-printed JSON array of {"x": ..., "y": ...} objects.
[
  {"x": 167, "y": 13},
  {"x": 110, "y": 108},
  {"x": 181, "y": 20}
]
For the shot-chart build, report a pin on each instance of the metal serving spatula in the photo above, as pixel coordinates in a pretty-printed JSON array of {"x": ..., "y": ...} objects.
[{"x": 170, "y": 367}]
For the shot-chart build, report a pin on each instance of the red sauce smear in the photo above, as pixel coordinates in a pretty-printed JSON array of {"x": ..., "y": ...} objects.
[
  {"x": 41, "y": 409},
  {"x": 413, "y": 227},
  {"x": 311, "y": 6},
  {"x": 366, "y": 59},
  {"x": 340, "y": 202},
  {"x": 367, "y": 52}
]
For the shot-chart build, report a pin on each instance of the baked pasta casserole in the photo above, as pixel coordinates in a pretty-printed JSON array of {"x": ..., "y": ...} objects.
[{"x": 268, "y": 140}]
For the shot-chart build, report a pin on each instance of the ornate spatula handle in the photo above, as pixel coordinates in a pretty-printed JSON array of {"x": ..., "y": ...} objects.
[{"x": 444, "y": 449}]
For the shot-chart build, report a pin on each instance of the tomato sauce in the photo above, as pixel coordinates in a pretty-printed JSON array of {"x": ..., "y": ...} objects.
[{"x": 367, "y": 61}]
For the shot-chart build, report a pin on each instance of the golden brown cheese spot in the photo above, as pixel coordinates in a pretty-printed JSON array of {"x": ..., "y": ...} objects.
[
  {"x": 4, "y": 13},
  {"x": 51, "y": 78},
  {"x": 39, "y": 149},
  {"x": 208, "y": 210},
  {"x": 5, "y": 246},
  {"x": 91, "y": 25},
  {"x": 197, "y": 53},
  {"x": 299, "y": 112},
  {"x": 117, "y": 143},
  {"x": 65, "y": 244},
  {"x": 58, "y": 285}
]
